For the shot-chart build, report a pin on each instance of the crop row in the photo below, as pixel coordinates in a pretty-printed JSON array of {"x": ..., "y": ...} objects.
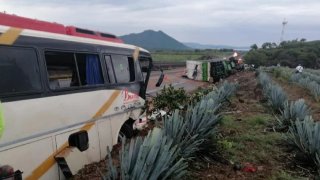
[
  {"x": 307, "y": 79},
  {"x": 301, "y": 130}
]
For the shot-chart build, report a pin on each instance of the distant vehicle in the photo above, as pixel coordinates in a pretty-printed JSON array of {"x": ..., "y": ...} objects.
[
  {"x": 205, "y": 70},
  {"x": 67, "y": 94}
]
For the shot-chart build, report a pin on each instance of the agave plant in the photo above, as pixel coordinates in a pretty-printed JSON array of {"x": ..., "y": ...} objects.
[
  {"x": 292, "y": 111},
  {"x": 276, "y": 97},
  {"x": 313, "y": 77},
  {"x": 175, "y": 128},
  {"x": 191, "y": 130},
  {"x": 263, "y": 79},
  {"x": 273, "y": 92},
  {"x": 154, "y": 157},
  {"x": 315, "y": 90},
  {"x": 266, "y": 89},
  {"x": 223, "y": 92},
  {"x": 305, "y": 135},
  {"x": 295, "y": 77},
  {"x": 308, "y": 81}
]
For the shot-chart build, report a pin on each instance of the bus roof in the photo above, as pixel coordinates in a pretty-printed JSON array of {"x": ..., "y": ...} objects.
[
  {"x": 33, "y": 24},
  {"x": 49, "y": 35}
]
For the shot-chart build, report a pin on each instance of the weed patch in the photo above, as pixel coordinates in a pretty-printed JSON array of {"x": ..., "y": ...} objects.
[{"x": 250, "y": 143}]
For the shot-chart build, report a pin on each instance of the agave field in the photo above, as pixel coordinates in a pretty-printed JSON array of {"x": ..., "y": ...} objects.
[
  {"x": 309, "y": 79},
  {"x": 295, "y": 118},
  {"x": 254, "y": 125},
  {"x": 166, "y": 150}
]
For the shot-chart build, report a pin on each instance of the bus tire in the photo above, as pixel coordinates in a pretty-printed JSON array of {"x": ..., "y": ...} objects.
[{"x": 126, "y": 131}]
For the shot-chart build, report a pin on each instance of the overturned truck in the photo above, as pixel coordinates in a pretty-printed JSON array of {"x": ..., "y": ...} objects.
[{"x": 210, "y": 70}]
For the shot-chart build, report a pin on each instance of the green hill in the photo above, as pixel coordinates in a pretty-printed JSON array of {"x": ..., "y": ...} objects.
[
  {"x": 287, "y": 53},
  {"x": 154, "y": 40}
]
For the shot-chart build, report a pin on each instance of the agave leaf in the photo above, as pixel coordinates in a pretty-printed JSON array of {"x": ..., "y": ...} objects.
[
  {"x": 113, "y": 174},
  {"x": 156, "y": 142},
  {"x": 306, "y": 136}
]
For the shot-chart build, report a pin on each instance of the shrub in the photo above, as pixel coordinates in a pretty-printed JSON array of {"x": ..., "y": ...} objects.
[
  {"x": 276, "y": 72},
  {"x": 199, "y": 94},
  {"x": 170, "y": 99}
]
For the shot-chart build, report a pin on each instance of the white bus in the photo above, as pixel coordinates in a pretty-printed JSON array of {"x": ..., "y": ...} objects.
[{"x": 65, "y": 99}]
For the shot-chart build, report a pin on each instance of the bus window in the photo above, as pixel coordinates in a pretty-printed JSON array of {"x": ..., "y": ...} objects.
[
  {"x": 89, "y": 69},
  {"x": 19, "y": 71},
  {"x": 110, "y": 69},
  {"x": 62, "y": 70},
  {"x": 123, "y": 68},
  {"x": 73, "y": 70}
]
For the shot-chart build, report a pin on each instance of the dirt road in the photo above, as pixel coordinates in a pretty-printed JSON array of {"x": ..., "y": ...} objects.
[{"x": 175, "y": 78}]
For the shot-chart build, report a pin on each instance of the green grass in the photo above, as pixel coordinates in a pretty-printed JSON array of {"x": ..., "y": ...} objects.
[
  {"x": 249, "y": 142},
  {"x": 258, "y": 120},
  {"x": 175, "y": 57},
  {"x": 282, "y": 175},
  {"x": 182, "y": 56}
]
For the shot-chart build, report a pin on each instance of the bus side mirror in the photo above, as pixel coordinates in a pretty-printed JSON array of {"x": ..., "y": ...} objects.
[{"x": 160, "y": 79}]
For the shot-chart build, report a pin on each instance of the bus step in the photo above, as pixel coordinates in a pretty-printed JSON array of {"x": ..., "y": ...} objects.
[{"x": 70, "y": 161}]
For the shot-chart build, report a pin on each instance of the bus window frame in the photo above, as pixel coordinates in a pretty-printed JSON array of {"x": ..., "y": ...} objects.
[
  {"x": 145, "y": 79},
  {"x": 107, "y": 71},
  {"x": 37, "y": 63},
  {"x": 116, "y": 83},
  {"x": 74, "y": 88}
]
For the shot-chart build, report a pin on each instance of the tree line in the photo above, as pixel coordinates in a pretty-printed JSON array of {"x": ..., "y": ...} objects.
[{"x": 287, "y": 53}]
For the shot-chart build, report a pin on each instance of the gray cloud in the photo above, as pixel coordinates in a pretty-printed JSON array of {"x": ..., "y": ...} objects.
[{"x": 230, "y": 22}]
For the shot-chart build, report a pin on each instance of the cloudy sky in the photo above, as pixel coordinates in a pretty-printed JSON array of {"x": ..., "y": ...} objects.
[{"x": 228, "y": 22}]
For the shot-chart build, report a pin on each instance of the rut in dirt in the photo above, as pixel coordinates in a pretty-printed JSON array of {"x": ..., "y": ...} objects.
[{"x": 248, "y": 94}]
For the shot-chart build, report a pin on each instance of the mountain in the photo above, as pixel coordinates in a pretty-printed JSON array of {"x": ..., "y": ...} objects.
[
  {"x": 154, "y": 40},
  {"x": 209, "y": 46}
]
